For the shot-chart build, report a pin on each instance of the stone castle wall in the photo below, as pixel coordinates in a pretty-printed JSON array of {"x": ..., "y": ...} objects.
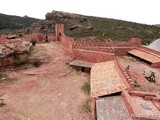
[{"x": 93, "y": 52}]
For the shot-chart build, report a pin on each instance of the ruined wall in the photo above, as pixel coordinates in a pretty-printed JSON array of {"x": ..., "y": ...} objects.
[
  {"x": 2, "y": 37},
  {"x": 149, "y": 50},
  {"x": 121, "y": 74},
  {"x": 59, "y": 31},
  {"x": 37, "y": 37},
  {"x": 155, "y": 65},
  {"x": 153, "y": 52},
  {"x": 92, "y": 52},
  {"x": 114, "y": 47},
  {"x": 67, "y": 44},
  {"x": 134, "y": 42},
  {"x": 92, "y": 56},
  {"x": 133, "y": 108}
]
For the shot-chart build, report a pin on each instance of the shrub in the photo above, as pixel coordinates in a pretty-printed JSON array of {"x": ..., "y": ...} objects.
[
  {"x": 5, "y": 79},
  {"x": 86, "y": 88},
  {"x": 36, "y": 63},
  {"x": 33, "y": 42},
  {"x": 87, "y": 106},
  {"x": 19, "y": 62}
]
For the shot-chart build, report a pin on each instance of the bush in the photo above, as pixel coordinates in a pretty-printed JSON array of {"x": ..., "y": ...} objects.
[
  {"x": 19, "y": 62},
  {"x": 86, "y": 88},
  {"x": 87, "y": 106},
  {"x": 36, "y": 63},
  {"x": 33, "y": 42},
  {"x": 5, "y": 79}
]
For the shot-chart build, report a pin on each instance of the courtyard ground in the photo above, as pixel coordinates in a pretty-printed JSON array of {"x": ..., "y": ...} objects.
[
  {"x": 143, "y": 69},
  {"x": 49, "y": 92}
]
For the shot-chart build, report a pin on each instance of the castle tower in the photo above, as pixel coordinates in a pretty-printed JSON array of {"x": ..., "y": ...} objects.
[{"x": 59, "y": 30}]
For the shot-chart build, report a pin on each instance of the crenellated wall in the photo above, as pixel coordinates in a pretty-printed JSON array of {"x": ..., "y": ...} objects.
[
  {"x": 59, "y": 31},
  {"x": 93, "y": 52},
  {"x": 92, "y": 56},
  {"x": 149, "y": 50}
]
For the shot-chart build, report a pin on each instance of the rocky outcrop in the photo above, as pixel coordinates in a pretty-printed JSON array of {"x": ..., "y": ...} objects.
[
  {"x": 18, "y": 46},
  {"x": 12, "y": 49}
]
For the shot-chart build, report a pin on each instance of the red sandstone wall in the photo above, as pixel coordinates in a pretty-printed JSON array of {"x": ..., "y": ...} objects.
[
  {"x": 155, "y": 65},
  {"x": 91, "y": 56},
  {"x": 134, "y": 42},
  {"x": 59, "y": 31},
  {"x": 114, "y": 50},
  {"x": 67, "y": 44},
  {"x": 149, "y": 50},
  {"x": 120, "y": 72},
  {"x": 94, "y": 52},
  {"x": 2, "y": 37},
  {"x": 37, "y": 37}
]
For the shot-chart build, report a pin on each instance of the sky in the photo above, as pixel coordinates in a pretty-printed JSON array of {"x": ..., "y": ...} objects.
[{"x": 140, "y": 11}]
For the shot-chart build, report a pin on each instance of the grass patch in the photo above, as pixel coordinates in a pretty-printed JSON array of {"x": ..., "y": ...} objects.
[
  {"x": 18, "y": 63},
  {"x": 3, "y": 76},
  {"x": 5, "y": 79},
  {"x": 86, "y": 88},
  {"x": 87, "y": 106}
]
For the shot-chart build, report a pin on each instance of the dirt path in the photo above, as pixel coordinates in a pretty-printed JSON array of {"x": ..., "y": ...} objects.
[{"x": 50, "y": 92}]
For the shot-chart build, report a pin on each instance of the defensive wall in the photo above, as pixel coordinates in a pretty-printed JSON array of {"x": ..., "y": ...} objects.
[{"x": 92, "y": 52}]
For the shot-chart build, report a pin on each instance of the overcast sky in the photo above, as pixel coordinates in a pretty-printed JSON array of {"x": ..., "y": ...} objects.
[{"x": 141, "y": 11}]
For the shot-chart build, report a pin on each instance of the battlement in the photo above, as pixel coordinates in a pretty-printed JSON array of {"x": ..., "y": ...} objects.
[
  {"x": 89, "y": 51},
  {"x": 59, "y": 31}
]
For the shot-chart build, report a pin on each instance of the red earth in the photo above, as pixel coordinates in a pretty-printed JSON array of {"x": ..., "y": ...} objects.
[{"x": 49, "y": 92}]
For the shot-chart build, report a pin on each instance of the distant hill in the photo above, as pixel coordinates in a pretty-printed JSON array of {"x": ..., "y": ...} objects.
[
  {"x": 103, "y": 28},
  {"x": 79, "y": 26},
  {"x": 158, "y": 25},
  {"x": 10, "y": 23}
]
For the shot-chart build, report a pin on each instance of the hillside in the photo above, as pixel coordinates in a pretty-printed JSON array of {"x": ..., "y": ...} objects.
[
  {"x": 78, "y": 26},
  {"x": 82, "y": 26},
  {"x": 9, "y": 23}
]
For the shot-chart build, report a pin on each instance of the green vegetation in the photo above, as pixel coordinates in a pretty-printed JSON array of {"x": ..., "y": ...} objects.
[
  {"x": 118, "y": 30},
  {"x": 19, "y": 62},
  {"x": 10, "y": 24},
  {"x": 36, "y": 63},
  {"x": 78, "y": 26},
  {"x": 5, "y": 79},
  {"x": 87, "y": 106},
  {"x": 86, "y": 88}
]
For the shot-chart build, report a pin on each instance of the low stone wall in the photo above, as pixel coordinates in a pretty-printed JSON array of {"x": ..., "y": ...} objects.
[
  {"x": 67, "y": 44},
  {"x": 149, "y": 50},
  {"x": 153, "y": 98},
  {"x": 93, "y": 52},
  {"x": 153, "y": 52},
  {"x": 92, "y": 56}
]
